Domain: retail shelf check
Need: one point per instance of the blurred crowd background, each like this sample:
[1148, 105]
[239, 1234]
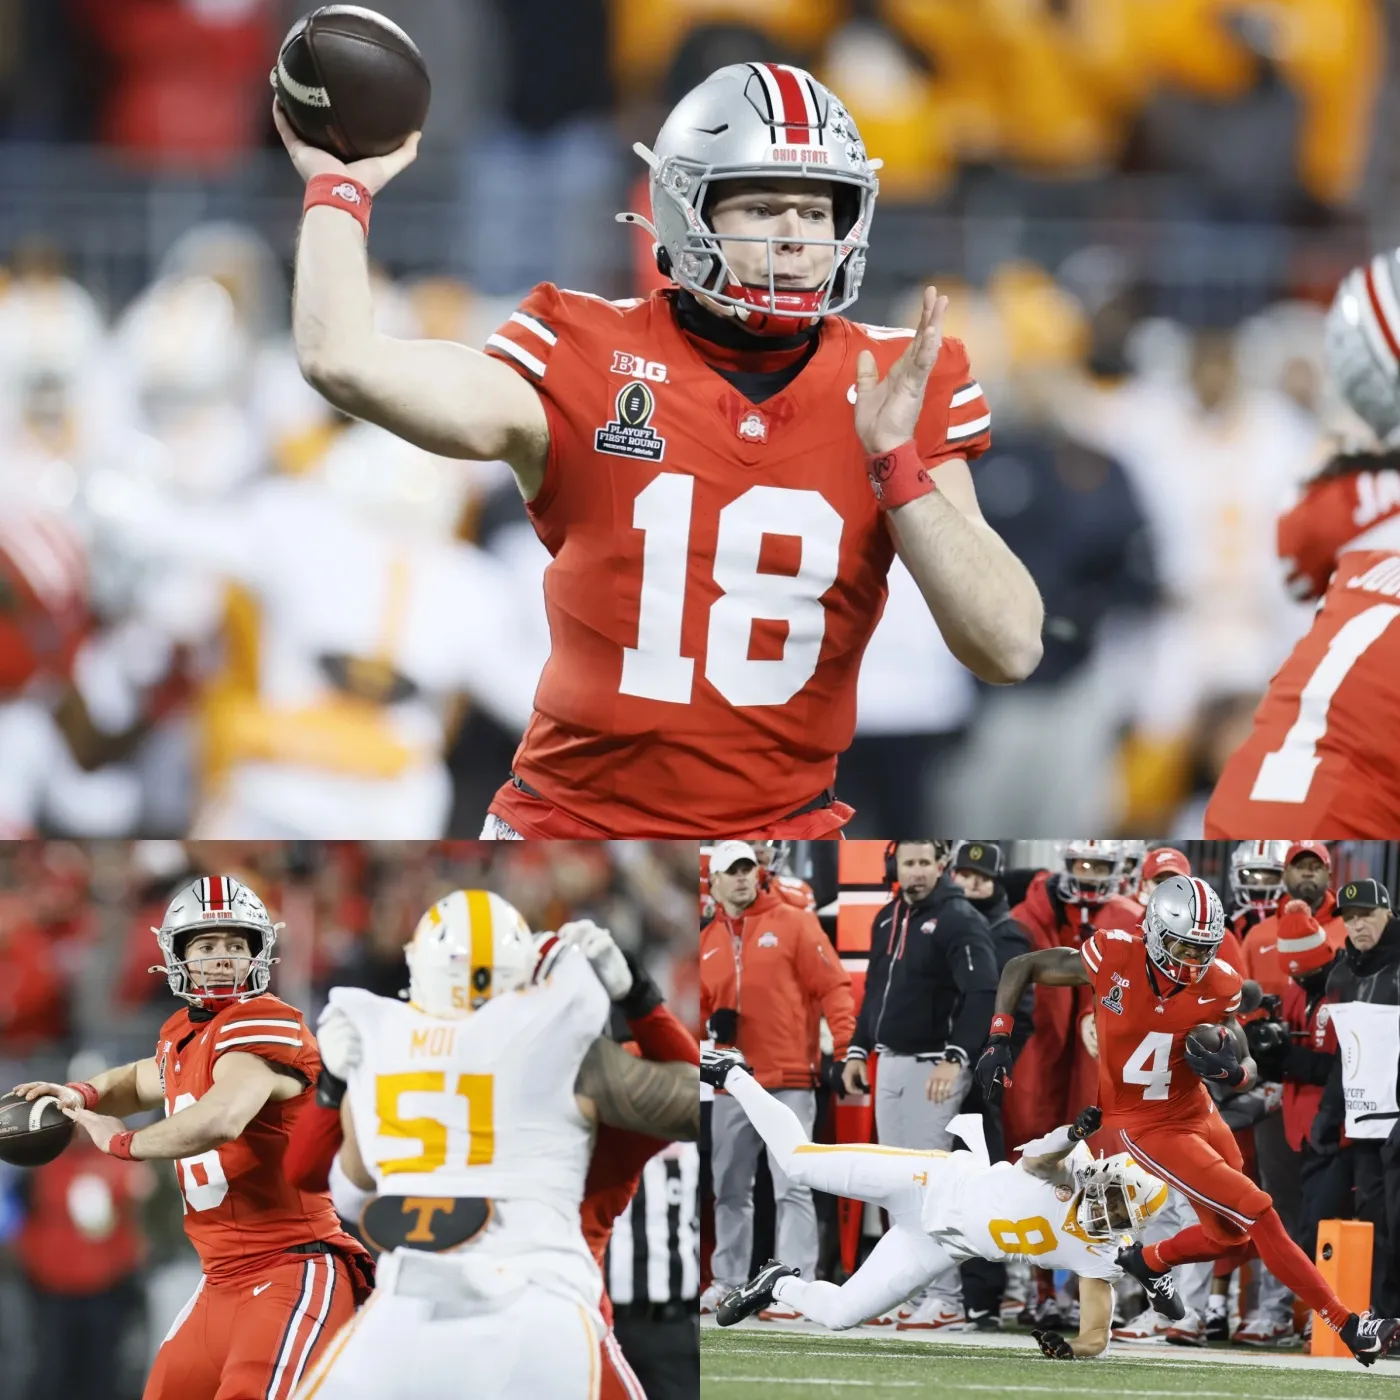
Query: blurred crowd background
[96, 1245]
[1139, 209]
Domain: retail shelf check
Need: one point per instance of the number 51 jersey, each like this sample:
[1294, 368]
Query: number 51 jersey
[484, 1107]
[719, 565]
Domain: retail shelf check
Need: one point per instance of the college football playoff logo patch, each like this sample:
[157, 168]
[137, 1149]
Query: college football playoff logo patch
[628, 435]
[1113, 1001]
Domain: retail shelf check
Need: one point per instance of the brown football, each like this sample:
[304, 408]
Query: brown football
[1211, 1037]
[351, 82]
[32, 1133]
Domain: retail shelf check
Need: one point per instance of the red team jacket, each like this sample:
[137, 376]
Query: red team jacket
[719, 567]
[1313, 765]
[241, 1211]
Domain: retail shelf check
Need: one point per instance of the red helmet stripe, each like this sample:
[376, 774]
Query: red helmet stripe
[1202, 921]
[1380, 315]
[794, 113]
[216, 892]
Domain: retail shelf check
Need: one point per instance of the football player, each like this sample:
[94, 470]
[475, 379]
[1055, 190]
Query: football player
[468, 1123]
[723, 471]
[232, 1070]
[1256, 882]
[1150, 992]
[618, 1154]
[1056, 1206]
[1315, 761]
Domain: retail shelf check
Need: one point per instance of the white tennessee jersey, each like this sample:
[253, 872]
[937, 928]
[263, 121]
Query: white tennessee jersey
[1000, 1211]
[484, 1106]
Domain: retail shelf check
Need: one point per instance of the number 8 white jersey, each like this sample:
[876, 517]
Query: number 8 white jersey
[996, 1211]
[483, 1106]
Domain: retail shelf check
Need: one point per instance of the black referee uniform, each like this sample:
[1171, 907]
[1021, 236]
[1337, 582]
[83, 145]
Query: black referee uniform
[652, 1272]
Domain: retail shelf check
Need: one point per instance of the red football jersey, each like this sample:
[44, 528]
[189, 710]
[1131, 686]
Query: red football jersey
[1318, 764]
[1143, 1074]
[239, 1206]
[1360, 510]
[719, 565]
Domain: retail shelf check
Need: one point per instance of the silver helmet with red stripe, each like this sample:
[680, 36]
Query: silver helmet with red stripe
[1363, 342]
[216, 904]
[1256, 874]
[754, 121]
[1184, 926]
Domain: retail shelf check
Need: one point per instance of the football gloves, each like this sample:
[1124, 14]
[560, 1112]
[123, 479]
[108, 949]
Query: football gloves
[993, 1071]
[1053, 1345]
[1218, 1066]
[603, 954]
[339, 1042]
[1087, 1124]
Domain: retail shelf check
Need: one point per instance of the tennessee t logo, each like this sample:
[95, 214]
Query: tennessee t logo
[426, 1207]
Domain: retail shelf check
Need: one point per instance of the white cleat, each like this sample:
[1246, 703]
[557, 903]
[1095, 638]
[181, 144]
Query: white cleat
[709, 1299]
[1189, 1331]
[1263, 1330]
[935, 1314]
[1148, 1326]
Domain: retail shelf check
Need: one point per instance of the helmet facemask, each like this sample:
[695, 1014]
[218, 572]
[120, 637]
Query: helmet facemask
[214, 905]
[1183, 925]
[1091, 873]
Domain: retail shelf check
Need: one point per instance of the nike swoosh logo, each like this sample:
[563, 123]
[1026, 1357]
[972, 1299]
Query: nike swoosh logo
[1204, 1000]
[710, 954]
[261, 1288]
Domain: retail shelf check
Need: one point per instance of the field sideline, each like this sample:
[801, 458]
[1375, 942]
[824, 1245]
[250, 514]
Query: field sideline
[771, 1360]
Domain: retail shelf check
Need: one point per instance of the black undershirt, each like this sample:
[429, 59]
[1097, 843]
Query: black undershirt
[755, 382]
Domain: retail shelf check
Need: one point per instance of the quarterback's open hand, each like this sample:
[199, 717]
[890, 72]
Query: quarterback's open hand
[1053, 1345]
[373, 173]
[98, 1126]
[887, 410]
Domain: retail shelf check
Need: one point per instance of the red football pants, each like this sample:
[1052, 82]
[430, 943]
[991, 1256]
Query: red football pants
[1202, 1160]
[255, 1339]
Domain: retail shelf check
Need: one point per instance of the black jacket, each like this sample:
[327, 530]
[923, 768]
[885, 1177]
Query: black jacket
[931, 982]
[1009, 940]
[1356, 976]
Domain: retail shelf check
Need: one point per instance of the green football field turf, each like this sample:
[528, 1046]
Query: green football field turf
[782, 1366]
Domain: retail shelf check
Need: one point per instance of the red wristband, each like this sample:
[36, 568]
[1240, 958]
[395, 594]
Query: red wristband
[1002, 1023]
[898, 477]
[340, 192]
[90, 1095]
[120, 1146]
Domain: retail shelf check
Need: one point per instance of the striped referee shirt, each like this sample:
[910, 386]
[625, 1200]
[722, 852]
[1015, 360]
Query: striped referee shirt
[654, 1253]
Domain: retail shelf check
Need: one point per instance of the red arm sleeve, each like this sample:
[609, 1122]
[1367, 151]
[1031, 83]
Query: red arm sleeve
[660, 1036]
[315, 1139]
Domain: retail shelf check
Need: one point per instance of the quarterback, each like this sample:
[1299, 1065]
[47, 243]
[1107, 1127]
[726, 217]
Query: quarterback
[233, 1071]
[723, 471]
[1318, 762]
[1057, 1206]
[468, 1121]
[1151, 990]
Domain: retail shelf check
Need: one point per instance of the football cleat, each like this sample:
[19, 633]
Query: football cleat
[1161, 1290]
[986, 1320]
[1148, 1326]
[757, 1293]
[1217, 1325]
[716, 1064]
[1369, 1337]
[1189, 1332]
[1264, 1330]
[934, 1314]
[709, 1299]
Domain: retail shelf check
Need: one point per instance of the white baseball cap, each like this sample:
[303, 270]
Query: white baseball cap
[727, 853]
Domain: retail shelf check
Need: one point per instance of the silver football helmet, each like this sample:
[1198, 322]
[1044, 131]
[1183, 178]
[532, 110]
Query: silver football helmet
[750, 121]
[216, 904]
[1363, 342]
[1131, 857]
[1184, 926]
[1256, 874]
[1088, 888]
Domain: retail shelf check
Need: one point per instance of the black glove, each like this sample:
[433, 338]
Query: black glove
[1269, 1042]
[831, 1075]
[645, 995]
[1053, 1345]
[993, 1071]
[329, 1090]
[1087, 1124]
[1219, 1066]
[724, 1025]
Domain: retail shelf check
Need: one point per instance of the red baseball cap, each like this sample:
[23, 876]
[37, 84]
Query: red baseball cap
[1165, 860]
[1316, 848]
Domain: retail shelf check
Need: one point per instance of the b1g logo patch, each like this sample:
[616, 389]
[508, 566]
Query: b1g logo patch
[628, 435]
[1113, 1001]
[1119, 980]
